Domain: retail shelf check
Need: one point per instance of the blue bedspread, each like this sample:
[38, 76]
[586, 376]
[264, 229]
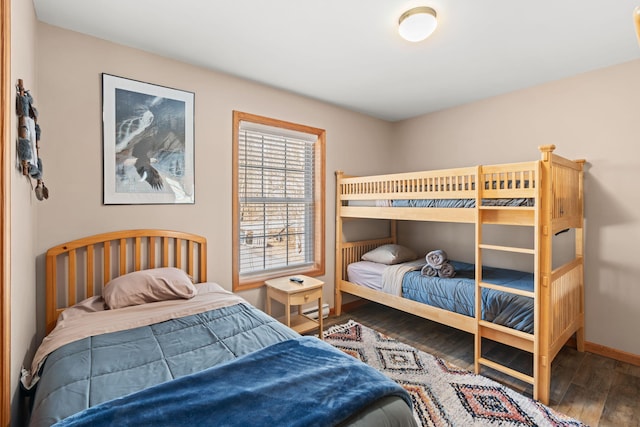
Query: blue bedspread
[457, 294]
[98, 369]
[301, 381]
[95, 370]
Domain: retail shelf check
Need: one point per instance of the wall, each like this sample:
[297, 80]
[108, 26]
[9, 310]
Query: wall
[23, 208]
[592, 116]
[70, 67]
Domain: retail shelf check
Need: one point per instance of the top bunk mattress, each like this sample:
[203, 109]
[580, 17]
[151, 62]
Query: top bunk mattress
[442, 203]
[521, 186]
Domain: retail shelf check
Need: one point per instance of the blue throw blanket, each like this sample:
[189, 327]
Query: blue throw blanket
[298, 382]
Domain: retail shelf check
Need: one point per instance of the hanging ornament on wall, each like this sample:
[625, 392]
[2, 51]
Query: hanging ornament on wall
[29, 133]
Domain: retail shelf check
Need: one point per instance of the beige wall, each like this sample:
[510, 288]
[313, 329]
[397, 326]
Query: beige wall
[70, 67]
[594, 116]
[23, 208]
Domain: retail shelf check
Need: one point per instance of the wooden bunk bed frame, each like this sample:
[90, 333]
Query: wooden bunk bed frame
[556, 186]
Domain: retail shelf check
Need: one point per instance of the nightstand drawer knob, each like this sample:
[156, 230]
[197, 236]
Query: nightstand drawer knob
[306, 297]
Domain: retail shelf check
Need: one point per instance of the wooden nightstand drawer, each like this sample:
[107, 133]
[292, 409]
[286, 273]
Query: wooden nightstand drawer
[305, 297]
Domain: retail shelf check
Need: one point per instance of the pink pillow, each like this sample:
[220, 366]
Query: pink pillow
[141, 287]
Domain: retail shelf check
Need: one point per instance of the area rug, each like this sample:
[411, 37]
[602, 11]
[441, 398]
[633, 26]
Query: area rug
[442, 394]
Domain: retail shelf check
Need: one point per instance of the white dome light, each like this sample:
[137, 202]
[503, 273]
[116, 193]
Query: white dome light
[417, 24]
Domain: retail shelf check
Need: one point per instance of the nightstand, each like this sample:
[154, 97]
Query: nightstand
[291, 293]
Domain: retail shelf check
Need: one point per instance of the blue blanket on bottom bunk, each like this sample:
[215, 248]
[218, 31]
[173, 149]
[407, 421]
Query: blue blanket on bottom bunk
[302, 381]
[457, 294]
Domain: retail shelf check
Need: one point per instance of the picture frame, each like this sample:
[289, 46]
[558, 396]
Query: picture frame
[148, 143]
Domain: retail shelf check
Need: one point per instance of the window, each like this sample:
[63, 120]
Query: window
[278, 200]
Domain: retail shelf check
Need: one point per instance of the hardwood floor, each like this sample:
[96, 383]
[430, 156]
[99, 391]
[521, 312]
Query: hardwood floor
[596, 390]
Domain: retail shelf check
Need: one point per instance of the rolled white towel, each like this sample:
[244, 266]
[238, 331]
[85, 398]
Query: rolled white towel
[436, 258]
[446, 270]
[427, 270]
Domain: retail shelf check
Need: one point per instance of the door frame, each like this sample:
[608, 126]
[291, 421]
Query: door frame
[5, 205]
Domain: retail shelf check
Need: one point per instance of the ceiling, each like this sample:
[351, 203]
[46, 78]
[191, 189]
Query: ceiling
[348, 52]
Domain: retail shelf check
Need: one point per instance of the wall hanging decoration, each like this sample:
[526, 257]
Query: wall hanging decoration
[29, 133]
[148, 147]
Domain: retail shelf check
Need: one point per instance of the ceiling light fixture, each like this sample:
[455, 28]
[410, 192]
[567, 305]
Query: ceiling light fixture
[417, 24]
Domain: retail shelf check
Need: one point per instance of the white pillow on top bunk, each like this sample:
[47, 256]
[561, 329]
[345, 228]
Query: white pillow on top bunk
[390, 254]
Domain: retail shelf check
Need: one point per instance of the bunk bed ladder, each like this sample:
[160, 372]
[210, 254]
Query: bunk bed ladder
[485, 329]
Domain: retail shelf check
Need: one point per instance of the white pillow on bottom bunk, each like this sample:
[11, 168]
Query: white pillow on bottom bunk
[390, 254]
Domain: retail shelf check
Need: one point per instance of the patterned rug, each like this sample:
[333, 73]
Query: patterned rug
[443, 394]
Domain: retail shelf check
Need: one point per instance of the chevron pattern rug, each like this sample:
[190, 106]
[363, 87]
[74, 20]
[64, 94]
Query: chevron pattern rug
[443, 394]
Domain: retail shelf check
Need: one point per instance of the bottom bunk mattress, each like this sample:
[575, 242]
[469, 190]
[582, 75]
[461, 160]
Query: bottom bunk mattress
[215, 367]
[456, 294]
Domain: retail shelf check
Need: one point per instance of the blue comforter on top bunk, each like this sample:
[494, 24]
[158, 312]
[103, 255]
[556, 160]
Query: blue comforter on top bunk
[457, 294]
[458, 203]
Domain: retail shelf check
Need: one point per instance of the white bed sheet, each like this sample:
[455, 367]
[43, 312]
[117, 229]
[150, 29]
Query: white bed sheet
[366, 273]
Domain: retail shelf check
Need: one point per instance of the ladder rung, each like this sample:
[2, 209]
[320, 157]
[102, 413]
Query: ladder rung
[507, 249]
[507, 289]
[510, 340]
[506, 370]
[504, 330]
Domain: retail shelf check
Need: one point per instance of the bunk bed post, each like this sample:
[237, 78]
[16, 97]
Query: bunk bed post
[338, 261]
[478, 273]
[580, 253]
[542, 363]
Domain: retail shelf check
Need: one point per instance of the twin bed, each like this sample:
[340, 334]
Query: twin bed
[536, 311]
[136, 335]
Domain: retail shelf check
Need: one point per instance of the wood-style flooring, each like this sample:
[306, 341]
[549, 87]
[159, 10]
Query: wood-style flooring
[593, 389]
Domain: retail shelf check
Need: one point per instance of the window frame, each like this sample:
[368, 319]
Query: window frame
[317, 268]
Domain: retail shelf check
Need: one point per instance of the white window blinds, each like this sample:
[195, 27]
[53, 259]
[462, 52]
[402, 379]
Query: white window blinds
[276, 198]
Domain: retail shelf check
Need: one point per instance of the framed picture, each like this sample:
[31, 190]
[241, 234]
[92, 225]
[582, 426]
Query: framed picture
[148, 155]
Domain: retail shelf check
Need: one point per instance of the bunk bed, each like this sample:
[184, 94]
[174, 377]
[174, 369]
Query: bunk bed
[136, 335]
[546, 195]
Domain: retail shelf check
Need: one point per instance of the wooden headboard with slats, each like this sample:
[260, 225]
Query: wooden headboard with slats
[80, 269]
